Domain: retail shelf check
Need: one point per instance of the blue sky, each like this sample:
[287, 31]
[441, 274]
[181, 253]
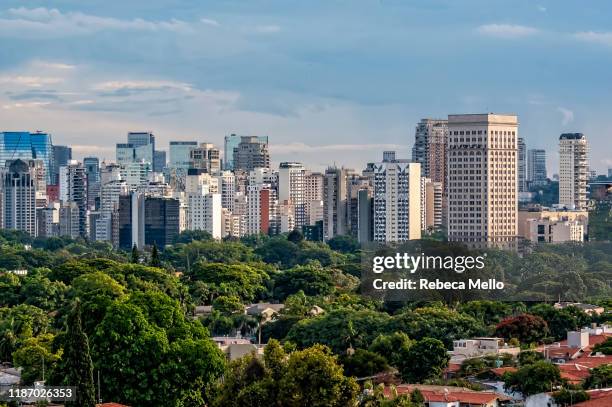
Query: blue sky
[328, 81]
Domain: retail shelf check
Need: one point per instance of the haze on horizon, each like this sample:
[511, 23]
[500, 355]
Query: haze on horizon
[327, 81]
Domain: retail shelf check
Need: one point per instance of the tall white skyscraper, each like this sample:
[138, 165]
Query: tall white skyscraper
[397, 201]
[482, 179]
[292, 189]
[335, 220]
[573, 170]
[73, 188]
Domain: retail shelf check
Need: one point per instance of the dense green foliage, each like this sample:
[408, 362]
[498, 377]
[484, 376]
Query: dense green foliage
[137, 318]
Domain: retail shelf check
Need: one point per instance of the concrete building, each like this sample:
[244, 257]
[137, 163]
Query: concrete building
[73, 188]
[365, 215]
[262, 210]
[554, 231]
[431, 205]
[19, 197]
[482, 179]
[536, 167]
[205, 213]
[136, 173]
[251, 153]
[477, 347]
[573, 170]
[206, 157]
[540, 224]
[159, 160]
[92, 172]
[231, 143]
[226, 181]
[48, 220]
[70, 219]
[335, 194]
[397, 201]
[522, 165]
[430, 148]
[292, 190]
[355, 184]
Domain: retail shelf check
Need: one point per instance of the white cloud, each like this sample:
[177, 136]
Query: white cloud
[568, 116]
[210, 21]
[135, 85]
[29, 81]
[507, 30]
[26, 105]
[52, 23]
[542, 9]
[604, 38]
[58, 66]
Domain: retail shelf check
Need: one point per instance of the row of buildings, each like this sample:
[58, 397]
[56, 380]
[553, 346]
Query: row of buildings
[465, 176]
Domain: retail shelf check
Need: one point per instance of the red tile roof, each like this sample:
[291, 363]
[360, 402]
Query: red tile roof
[499, 371]
[449, 393]
[603, 400]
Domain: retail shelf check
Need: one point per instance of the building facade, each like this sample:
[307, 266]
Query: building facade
[573, 170]
[482, 179]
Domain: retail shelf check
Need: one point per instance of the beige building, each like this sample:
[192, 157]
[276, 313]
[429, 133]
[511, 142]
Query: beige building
[573, 170]
[431, 204]
[540, 224]
[482, 179]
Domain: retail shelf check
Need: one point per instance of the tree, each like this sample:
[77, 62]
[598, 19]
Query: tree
[155, 262]
[35, 356]
[535, 378]
[600, 377]
[529, 357]
[526, 328]
[135, 255]
[344, 244]
[78, 366]
[295, 236]
[424, 360]
[339, 329]
[312, 280]
[313, 378]
[363, 363]
[565, 397]
[228, 305]
[604, 347]
[392, 347]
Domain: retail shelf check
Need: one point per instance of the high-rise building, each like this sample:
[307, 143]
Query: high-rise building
[365, 214]
[205, 213]
[136, 174]
[19, 203]
[430, 148]
[92, 171]
[573, 170]
[431, 205]
[231, 142]
[206, 157]
[292, 190]
[397, 201]
[251, 153]
[536, 167]
[180, 153]
[145, 220]
[70, 220]
[261, 210]
[522, 165]
[159, 160]
[482, 179]
[355, 184]
[61, 156]
[73, 188]
[335, 220]
[140, 146]
[227, 187]
[27, 146]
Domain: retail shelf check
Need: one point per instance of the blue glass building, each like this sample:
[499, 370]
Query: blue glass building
[26, 145]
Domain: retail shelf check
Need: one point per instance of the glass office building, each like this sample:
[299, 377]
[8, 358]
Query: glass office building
[26, 145]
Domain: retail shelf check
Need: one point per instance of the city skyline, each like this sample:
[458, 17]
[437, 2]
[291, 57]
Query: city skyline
[315, 88]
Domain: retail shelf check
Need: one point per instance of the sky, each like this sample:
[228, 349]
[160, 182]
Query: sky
[329, 81]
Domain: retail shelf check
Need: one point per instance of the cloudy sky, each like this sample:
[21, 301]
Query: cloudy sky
[328, 81]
